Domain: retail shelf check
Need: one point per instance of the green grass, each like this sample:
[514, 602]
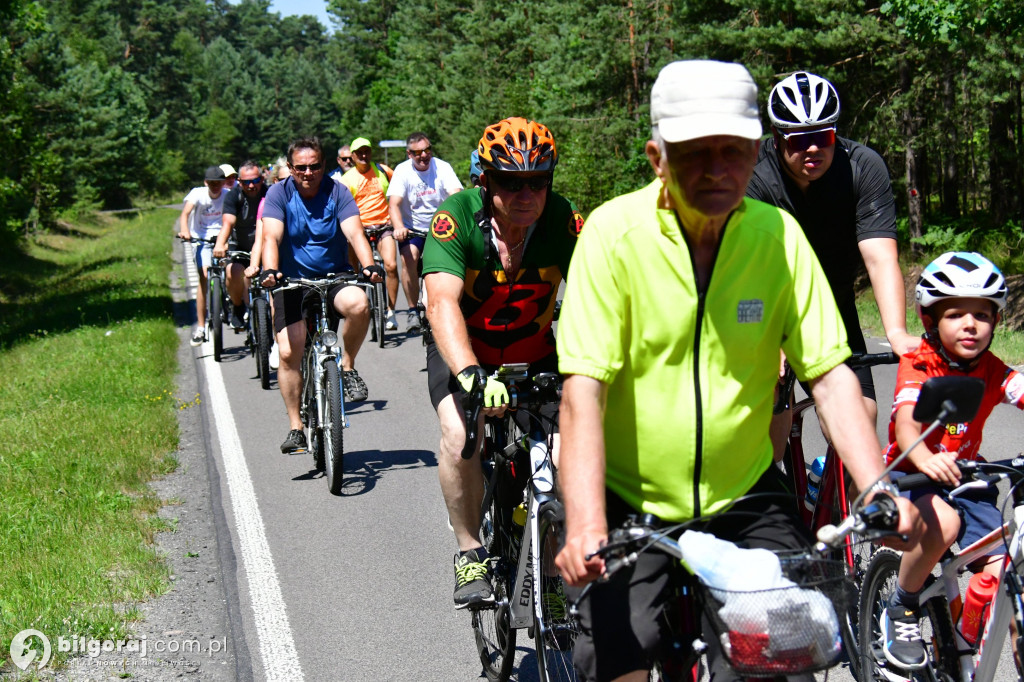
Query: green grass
[87, 418]
[1007, 345]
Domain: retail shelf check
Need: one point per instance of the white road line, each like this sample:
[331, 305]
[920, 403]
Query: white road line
[274, 633]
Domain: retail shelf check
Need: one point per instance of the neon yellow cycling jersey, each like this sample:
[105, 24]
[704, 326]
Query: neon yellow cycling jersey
[691, 373]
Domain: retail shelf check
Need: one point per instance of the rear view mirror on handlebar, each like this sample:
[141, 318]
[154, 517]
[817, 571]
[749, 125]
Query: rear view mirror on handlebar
[955, 399]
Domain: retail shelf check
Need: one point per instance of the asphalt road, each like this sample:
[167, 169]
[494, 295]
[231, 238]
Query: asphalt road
[358, 587]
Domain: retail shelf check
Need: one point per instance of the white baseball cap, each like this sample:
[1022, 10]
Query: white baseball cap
[700, 98]
[228, 170]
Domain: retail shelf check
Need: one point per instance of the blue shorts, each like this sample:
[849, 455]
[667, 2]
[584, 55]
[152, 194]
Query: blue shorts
[979, 511]
[417, 240]
[203, 255]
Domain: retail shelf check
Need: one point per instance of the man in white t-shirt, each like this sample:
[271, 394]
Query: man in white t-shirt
[201, 219]
[417, 188]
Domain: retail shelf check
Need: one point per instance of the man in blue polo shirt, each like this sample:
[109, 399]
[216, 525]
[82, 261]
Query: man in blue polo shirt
[309, 223]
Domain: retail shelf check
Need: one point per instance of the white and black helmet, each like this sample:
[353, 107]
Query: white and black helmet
[803, 99]
[959, 274]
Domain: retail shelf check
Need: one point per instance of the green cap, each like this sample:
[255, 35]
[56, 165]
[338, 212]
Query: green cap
[359, 143]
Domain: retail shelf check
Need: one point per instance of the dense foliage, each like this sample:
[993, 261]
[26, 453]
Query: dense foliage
[107, 100]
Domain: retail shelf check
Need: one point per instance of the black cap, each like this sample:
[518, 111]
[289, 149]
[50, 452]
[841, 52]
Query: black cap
[215, 173]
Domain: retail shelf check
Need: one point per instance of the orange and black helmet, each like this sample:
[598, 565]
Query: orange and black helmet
[516, 145]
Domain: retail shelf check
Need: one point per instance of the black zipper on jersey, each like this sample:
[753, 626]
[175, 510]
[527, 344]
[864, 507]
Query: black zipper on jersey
[698, 403]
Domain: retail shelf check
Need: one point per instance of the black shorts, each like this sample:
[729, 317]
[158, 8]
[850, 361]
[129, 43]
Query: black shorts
[293, 305]
[624, 622]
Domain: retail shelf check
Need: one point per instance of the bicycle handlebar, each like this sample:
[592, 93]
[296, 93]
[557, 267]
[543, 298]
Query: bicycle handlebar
[544, 389]
[974, 474]
[285, 283]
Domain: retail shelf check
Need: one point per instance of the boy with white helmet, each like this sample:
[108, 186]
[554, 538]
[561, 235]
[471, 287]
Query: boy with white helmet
[959, 299]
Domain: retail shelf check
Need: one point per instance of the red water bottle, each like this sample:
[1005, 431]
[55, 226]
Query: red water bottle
[980, 592]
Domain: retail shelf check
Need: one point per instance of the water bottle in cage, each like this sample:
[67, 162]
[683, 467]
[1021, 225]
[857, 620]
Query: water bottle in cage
[813, 481]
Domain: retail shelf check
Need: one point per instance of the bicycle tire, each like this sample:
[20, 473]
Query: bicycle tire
[261, 323]
[937, 629]
[556, 631]
[371, 297]
[333, 428]
[216, 303]
[492, 626]
[315, 440]
[379, 311]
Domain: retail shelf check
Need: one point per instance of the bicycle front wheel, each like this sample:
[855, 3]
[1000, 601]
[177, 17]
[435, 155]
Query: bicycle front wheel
[263, 333]
[556, 630]
[380, 305]
[333, 427]
[216, 304]
[492, 626]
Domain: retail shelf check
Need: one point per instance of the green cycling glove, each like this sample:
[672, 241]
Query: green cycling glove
[495, 393]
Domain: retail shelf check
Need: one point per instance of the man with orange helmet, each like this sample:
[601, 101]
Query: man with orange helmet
[492, 265]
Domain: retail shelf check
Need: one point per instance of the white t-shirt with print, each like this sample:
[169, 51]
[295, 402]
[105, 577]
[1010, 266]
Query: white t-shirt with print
[206, 217]
[422, 192]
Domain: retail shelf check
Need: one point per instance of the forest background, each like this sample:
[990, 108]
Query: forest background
[109, 103]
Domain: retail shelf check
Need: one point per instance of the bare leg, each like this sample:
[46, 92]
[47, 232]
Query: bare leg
[291, 343]
[462, 483]
[352, 304]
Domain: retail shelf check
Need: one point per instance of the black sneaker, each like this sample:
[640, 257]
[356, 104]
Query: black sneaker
[198, 337]
[295, 442]
[353, 386]
[237, 322]
[472, 581]
[901, 638]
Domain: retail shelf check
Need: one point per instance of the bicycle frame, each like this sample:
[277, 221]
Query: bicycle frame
[320, 352]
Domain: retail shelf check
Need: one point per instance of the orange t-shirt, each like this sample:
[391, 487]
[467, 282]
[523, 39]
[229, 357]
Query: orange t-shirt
[369, 190]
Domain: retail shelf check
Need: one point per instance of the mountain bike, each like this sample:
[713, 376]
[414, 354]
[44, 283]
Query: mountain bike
[322, 408]
[832, 502]
[218, 301]
[522, 527]
[782, 629]
[260, 336]
[378, 293]
[951, 656]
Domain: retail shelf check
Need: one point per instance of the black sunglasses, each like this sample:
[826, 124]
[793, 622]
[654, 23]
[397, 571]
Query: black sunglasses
[255, 181]
[512, 183]
[312, 167]
[344, 159]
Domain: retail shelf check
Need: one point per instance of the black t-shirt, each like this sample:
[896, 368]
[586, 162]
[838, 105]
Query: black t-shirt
[851, 202]
[243, 207]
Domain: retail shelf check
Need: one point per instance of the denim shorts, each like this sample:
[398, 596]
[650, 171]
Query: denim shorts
[978, 509]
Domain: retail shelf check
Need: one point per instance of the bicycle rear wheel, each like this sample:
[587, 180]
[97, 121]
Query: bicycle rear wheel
[492, 626]
[216, 304]
[556, 630]
[333, 427]
[261, 324]
[380, 298]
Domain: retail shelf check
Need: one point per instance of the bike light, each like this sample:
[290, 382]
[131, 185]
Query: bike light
[329, 339]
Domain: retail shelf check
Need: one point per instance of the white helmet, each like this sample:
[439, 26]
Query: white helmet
[803, 99]
[959, 274]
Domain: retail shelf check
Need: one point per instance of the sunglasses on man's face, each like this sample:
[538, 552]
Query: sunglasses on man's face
[344, 159]
[255, 181]
[312, 167]
[418, 152]
[802, 141]
[512, 183]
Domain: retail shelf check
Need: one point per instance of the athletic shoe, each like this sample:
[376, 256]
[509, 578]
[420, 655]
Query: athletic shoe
[353, 386]
[412, 321]
[295, 442]
[273, 356]
[472, 581]
[198, 337]
[390, 322]
[901, 638]
[236, 321]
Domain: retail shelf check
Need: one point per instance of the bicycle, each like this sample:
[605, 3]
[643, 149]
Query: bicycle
[260, 335]
[832, 502]
[522, 526]
[217, 300]
[764, 632]
[378, 294]
[322, 408]
[951, 656]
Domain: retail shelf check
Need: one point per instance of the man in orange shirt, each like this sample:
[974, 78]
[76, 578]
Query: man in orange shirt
[368, 183]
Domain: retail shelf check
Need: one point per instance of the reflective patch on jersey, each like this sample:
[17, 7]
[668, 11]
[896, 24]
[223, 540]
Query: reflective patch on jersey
[443, 227]
[907, 395]
[1013, 388]
[576, 224]
[750, 311]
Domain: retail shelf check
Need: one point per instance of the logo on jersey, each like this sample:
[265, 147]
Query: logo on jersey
[1014, 389]
[956, 429]
[749, 312]
[443, 227]
[576, 223]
